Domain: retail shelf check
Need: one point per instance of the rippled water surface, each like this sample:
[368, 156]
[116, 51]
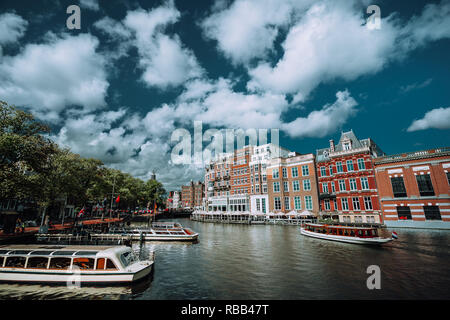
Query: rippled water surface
[276, 262]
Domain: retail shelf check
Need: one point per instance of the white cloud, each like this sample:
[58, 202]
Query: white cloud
[12, 28]
[165, 61]
[113, 28]
[90, 4]
[51, 76]
[248, 28]
[416, 85]
[327, 43]
[438, 118]
[431, 25]
[319, 123]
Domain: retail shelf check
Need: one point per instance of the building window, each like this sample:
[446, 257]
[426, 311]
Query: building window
[432, 213]
[264, 188]
[286, 203]
[258, 205]
[398, 187]
[356, 205]
[263, 203]
[294, 172]
[295, 185]
[264, 178]
[331, 170]
[257, 188]
[404, 213]
[364, 183]
[425, 185]
[284, 172]
[297, 203]
[306, 185]
[361, 164]
[349, 165]
[326, 204]
[346, 218]
[305, 171]
[335, 204]
[344, 203]
[333, 190]
[276, 187]
[368, 203]
[339, 168]
[308, 203]
[275, 174]
[352, 184]
[341, 185]
[325, 187]
[448, 177]
[323, 172]
[346, 145]
[285, 186]
[277, 203]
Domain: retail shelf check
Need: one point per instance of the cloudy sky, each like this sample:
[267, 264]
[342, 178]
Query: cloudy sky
[138, 70]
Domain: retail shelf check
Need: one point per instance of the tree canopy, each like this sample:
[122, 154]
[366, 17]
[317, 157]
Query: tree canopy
[32, 166]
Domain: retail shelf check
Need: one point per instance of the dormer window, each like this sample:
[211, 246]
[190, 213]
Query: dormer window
[347, 145]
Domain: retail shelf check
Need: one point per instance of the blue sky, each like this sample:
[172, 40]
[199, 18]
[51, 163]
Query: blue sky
[138, 70]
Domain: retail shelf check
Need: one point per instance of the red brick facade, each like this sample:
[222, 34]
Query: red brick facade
[346, 180]
[414, 188]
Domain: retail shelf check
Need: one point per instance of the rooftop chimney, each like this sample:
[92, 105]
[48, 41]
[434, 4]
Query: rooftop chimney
[331, 145]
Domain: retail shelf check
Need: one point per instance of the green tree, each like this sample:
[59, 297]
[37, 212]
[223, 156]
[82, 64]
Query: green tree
[23, 152]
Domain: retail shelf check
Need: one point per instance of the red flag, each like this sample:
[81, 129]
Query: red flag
[118, 198]
[81, 212]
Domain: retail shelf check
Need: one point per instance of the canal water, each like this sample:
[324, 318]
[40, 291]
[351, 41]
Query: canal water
[276, 262]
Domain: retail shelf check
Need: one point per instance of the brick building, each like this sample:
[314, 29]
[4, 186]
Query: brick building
[235, 180]
[347, 185]
[414, 188]
[292, 184]
[192, 195]
[259, 160]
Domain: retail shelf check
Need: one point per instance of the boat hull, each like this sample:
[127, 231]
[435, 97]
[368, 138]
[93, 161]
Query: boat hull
[16, 275]
[347, 239]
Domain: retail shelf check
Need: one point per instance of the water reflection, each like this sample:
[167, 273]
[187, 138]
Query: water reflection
[277, 262]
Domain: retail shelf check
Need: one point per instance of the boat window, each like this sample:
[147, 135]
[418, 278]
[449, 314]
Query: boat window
[84, 263]
[63, 253]
[126, 258]
[100, 264]
[15, 262]
[4, 251]
[40, 253]
[37, 263]
[86, 253]
[110, 265]
[2, 259]
[20, 252]
[60, 263]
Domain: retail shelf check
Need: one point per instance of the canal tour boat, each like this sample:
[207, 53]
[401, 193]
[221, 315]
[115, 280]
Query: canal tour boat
[358, 235]
[161, 231]
[60, 264]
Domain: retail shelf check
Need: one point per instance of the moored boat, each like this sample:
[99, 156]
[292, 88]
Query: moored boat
[358, 235]
[161, 231]
[71, 264]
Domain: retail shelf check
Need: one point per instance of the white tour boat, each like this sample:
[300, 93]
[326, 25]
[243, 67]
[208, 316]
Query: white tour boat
[358, 235]
[71, 264]
[161, 231]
